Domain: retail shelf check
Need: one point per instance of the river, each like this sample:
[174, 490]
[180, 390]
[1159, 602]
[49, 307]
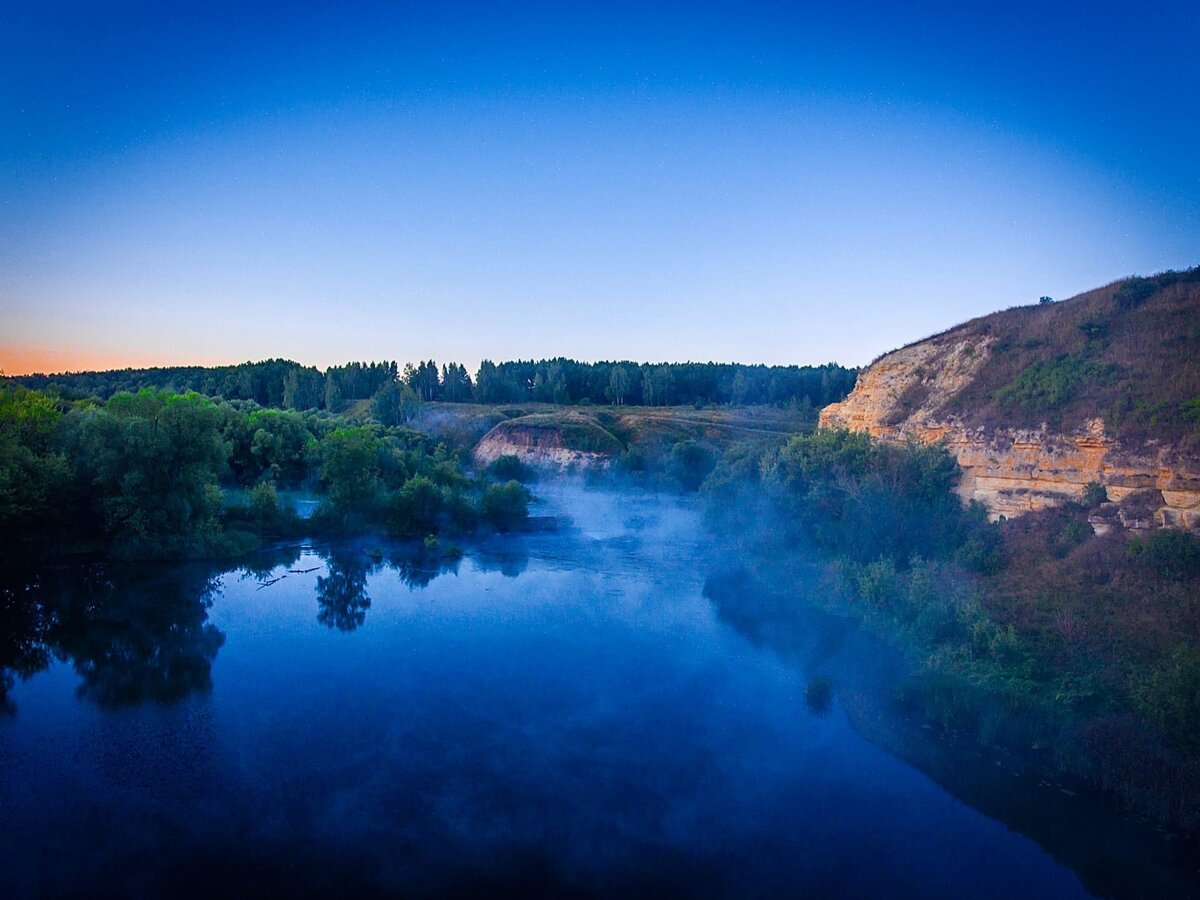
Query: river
[560, 714]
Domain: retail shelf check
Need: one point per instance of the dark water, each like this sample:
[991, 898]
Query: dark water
[557, 715]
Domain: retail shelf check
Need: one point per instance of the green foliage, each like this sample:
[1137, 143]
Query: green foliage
[34, 479]
[1047, 385]
[1134, 292]
[393, 404]
[350, 469]
[505, 506]
[1168, 694]
[416, 508]
[1168, 552]
[511, 468]
[139, 477]
[691, 463]
[268, 445]
[1094, 494]
[632, 460]
[422, 379]
[1189, 411]
[862, 500]
[262, 514]
[279, 383]
[619, 384]
[151, 461]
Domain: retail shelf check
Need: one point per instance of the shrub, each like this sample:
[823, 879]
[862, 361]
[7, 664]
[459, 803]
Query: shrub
[511, 468]
[1094, 494]
[1047, 385]
[1170, 553]
[691, 463]
[1169, 694]
[1134, 292]
[415, 509]
[505, 506]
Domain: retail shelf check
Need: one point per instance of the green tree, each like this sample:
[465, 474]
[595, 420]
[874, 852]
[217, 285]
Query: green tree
[333, 393]
[34, 478]
[505, 506]
[691, 463]
[740, 391]
[350, 469]
[416, 508]
[152, 460]
[456, 384]
[619, 382]
[394, 404]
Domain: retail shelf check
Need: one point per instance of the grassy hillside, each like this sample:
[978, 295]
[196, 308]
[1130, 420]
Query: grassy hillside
[652, 430]
[1128, 352]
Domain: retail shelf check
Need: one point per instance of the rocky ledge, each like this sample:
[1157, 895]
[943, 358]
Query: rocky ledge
[1012, 471]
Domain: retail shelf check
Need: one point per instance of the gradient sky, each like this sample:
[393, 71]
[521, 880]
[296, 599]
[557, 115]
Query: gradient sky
[770, 183]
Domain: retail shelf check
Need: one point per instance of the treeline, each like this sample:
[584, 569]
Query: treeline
[158, 474]
[282, 384]
[1033, 632]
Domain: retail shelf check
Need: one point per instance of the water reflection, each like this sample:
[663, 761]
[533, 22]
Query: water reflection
[509, 560]
[1113, 857]
[418, 567]
[131, 636]
[141, 634]
[590, 727]
[23, 650]
[342, 600]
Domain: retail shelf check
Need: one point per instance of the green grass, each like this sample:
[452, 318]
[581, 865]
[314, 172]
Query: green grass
[1128, 353]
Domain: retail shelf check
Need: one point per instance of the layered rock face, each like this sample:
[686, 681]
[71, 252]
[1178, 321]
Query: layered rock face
[538, 446]
[1012, 471]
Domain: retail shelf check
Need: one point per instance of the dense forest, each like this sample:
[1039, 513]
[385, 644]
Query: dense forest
[283, 384]
[1078, 650]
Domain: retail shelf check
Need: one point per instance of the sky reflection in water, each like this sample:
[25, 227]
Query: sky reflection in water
[559, 713]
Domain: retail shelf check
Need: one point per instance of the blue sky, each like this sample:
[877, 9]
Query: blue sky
[754, 182]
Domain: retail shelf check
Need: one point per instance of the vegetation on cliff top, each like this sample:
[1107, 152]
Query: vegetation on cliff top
[1128, 352]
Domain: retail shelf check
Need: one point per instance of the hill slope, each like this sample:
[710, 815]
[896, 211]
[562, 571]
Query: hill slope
[1037, 402]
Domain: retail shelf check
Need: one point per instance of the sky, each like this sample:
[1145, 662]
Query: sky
[780, 183]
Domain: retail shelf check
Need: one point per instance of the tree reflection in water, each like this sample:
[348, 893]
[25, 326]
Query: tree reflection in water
[509, 560]
[141, 634]
[342, 598]
[23, 650]
[132, 638]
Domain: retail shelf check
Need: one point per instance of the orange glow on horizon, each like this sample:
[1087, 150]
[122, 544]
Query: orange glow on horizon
[23, 359]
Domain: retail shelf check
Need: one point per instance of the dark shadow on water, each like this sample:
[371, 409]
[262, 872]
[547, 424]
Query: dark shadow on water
[509, 559]
[23, 648]
[132, 634]
[818, 696]
[1112, 855]
[418, 567]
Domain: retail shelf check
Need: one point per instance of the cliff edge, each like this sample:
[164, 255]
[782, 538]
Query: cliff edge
[1038, 402]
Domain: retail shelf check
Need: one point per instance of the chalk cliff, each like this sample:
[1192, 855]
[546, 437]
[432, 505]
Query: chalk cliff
[557, 442]
[916, 393]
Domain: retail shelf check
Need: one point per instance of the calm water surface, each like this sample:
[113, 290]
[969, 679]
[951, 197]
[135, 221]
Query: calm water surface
[558, 714]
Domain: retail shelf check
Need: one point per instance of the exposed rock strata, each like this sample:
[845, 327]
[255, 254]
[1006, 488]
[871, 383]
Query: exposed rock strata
[1011, 471]
[544, 448]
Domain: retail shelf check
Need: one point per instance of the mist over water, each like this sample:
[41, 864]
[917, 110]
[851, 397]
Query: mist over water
[562, 713]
